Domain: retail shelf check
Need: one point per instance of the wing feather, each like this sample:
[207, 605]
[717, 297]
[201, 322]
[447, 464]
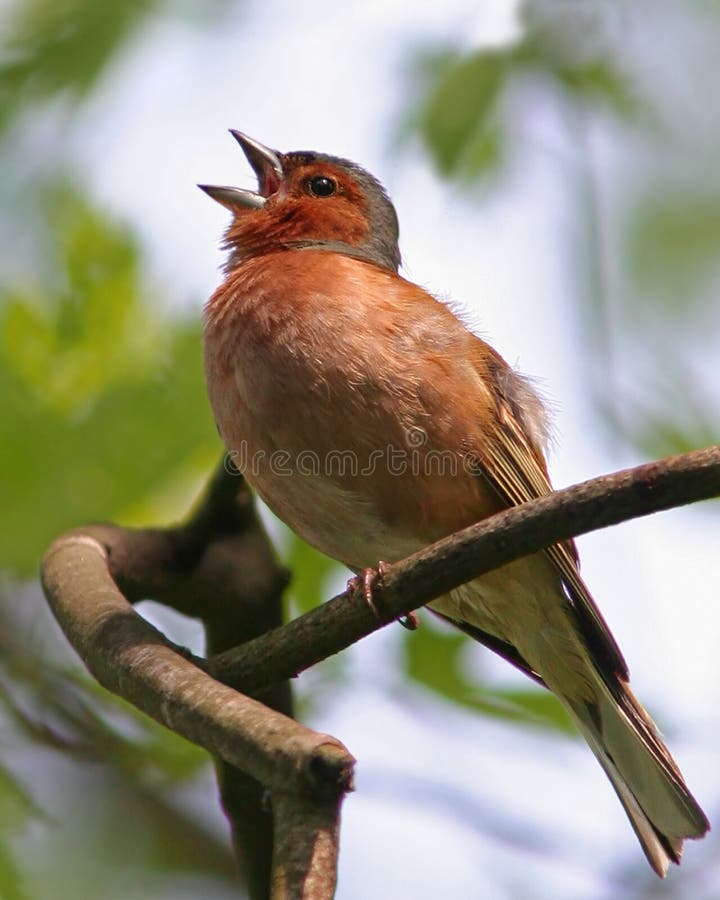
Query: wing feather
[512, 461]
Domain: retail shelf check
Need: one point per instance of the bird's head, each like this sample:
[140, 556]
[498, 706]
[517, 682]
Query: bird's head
[308, 200]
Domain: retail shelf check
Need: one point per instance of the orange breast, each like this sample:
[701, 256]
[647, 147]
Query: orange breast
[346, 393]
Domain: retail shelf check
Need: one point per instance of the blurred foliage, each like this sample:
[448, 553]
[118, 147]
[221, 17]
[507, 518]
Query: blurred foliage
[311, 573]
[435, 659]
[58, 49]
[92, 375]
[66, 738]
[17, 809]
[644, 412]
[654, 285]
[65, 710]
[457, 116]
[672, 246]
[459, 112]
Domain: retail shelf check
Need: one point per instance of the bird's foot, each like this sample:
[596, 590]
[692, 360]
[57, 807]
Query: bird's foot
[366, 582]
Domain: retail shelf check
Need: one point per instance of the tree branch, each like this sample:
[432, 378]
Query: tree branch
[218, 565]
[493, 542]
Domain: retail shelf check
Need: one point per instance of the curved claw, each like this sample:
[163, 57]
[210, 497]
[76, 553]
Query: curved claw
[366, 582]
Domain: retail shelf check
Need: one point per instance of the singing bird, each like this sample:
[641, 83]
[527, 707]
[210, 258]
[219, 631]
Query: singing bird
[373, 422]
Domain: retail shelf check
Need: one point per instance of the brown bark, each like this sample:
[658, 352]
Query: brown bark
[219, 566]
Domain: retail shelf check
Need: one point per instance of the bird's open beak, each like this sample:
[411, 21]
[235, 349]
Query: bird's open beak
[268, 168]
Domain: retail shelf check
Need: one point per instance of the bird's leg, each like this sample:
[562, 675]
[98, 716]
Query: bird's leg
[366, 582]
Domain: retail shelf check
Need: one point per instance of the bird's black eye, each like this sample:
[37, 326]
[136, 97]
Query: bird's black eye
[321, 186]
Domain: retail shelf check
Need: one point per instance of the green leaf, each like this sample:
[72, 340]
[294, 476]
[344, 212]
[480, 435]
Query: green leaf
[599, 80]
[70, 337]
[103, 400]
[571, 42]
[60, 48]
[457, 117]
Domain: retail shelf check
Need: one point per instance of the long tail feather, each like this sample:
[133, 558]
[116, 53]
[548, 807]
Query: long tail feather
[623, 737]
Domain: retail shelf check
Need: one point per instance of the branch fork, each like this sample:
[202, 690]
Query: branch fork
[236, 703]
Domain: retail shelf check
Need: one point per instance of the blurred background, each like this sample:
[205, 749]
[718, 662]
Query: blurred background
[554, 166]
